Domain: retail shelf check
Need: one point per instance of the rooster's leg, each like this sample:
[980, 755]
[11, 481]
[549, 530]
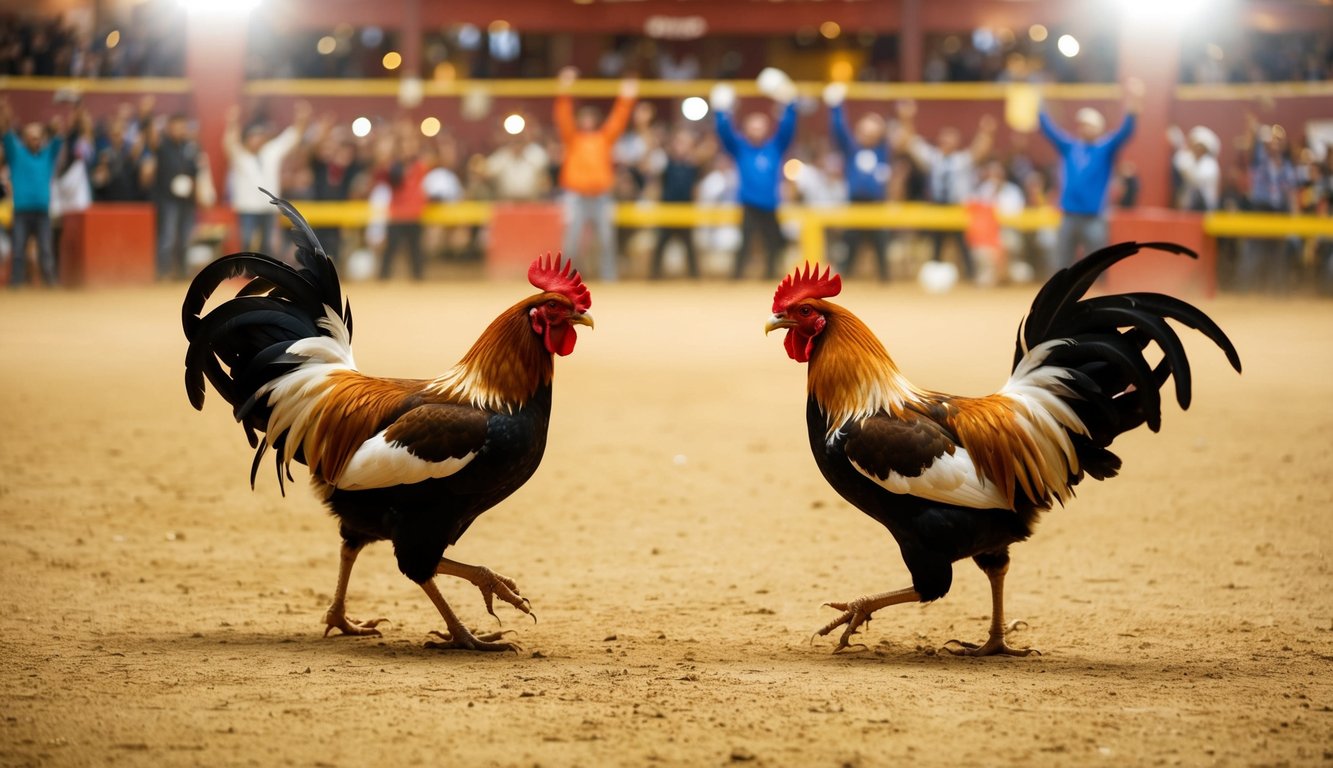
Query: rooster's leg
[491, 584]
[858, 611]
[995, 645]
[336, 616]
[460, 637]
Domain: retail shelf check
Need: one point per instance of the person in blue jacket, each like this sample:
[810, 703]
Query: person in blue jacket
[759, 165]
[32, 165]
[1087, 159]
[866, 167]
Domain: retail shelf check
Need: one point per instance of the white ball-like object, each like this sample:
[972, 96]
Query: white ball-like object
[835, 94]
[937, 276]
[182, 185]
[775, 84]
[360, 265]
[722, 98]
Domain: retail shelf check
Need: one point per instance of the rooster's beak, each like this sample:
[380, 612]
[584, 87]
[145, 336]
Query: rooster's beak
[778, 321]
[581, 318]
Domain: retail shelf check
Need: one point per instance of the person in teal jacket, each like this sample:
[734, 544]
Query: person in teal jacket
[32, 165]
[1087, 159]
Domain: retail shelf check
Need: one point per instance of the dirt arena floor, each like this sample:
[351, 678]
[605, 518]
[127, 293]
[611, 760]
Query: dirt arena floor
[677, 544]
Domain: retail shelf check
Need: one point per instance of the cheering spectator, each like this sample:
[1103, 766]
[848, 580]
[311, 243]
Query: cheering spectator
[1087, 159]
[405, 176]
[32, 166]
[950, 172]
[866, 168]
[517, 169]
[174, 165]
[758, 151]
[1265, 262]
[256, 165]
[115, 168]
[334, 172]
[680, 175]
[1195, 159]
[587, 174]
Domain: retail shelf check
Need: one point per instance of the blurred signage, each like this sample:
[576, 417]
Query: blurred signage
[675, 27]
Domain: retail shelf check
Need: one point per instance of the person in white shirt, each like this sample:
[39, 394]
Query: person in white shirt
[950, 171]
[255, 161]
[518, 170]
[1195, 160]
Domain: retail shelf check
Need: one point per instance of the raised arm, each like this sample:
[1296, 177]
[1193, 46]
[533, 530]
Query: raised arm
[838, 123]
[564, 104]
[786, 131]
[722, 98]
[1061, 140]
[984, 140]
[622, 109]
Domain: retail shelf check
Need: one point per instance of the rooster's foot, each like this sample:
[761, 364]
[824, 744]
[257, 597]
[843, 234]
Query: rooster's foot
[337, 619]
[491, 584]
[995, 646]
[854, 614]
[467, 641]
[858, 612]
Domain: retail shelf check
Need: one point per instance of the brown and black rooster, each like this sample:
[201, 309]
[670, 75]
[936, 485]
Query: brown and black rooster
[410, 461]
[958, 477]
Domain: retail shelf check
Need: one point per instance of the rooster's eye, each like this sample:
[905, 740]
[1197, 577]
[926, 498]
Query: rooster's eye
[550, 303]
[805, 311]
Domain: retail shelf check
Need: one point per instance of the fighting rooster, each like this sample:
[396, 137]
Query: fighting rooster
[411, 461]
[956, 477]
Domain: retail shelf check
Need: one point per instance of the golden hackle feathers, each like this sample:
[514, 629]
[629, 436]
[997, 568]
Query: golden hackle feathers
[503, 368]
[852, 375]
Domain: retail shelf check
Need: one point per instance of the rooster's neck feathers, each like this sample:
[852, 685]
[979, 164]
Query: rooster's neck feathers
[851, 375]
[503, 369]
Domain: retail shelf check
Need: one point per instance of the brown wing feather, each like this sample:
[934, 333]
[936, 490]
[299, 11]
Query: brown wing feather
[436, 432]
[1000, 448]
[354, 408]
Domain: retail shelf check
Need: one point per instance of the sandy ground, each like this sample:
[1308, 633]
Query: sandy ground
[677, 544]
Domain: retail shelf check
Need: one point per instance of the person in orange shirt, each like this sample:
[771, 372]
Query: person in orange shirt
[587, 174]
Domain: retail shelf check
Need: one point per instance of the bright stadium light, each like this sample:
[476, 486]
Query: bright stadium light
[1068, 45]
[361, 127]
[694, 108]
[1159, 12]
[514, 124]
[791, 170]
[220, 7]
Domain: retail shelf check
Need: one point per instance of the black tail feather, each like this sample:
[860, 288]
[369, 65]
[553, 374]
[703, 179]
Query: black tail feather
[1115, 388]
[240, 345]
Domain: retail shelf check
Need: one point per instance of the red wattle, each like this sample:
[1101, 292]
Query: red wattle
[798, 346]
[560, 339]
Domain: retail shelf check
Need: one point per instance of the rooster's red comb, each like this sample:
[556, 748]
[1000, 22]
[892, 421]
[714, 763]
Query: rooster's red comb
[549, 274]
[806, 285]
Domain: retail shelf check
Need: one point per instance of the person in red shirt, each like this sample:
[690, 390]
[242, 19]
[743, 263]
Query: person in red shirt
[587, 174]
[405, 175]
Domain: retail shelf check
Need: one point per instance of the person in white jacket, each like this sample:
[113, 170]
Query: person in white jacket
[255, 161]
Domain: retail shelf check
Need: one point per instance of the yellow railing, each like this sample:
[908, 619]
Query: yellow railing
[812, 220]
[1238, 224]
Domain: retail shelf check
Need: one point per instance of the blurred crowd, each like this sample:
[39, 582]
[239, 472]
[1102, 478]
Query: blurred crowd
[148, 44]
[138, 154]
